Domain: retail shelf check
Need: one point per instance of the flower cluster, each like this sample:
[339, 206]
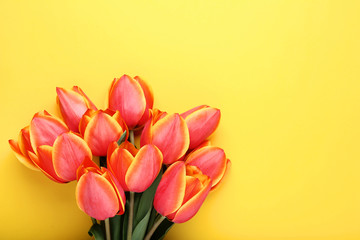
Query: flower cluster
[175, 164]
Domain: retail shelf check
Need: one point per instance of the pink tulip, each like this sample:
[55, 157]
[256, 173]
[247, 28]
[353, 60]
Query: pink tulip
[98, 192]
[73, 104]
[135, 169]
[133, 98]
[202, 121]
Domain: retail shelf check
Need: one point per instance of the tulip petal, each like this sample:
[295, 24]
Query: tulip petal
[86, 166]
[100, 132]
[127, 96]
[202, 123]
[69, 152]
[72, 107]
[44, 129]
[44, 162]
[185, 114]
[119, 190]
[170, 134]
[210, 160]
[146, 134]
[89, 103]
[228, 165]
[192, 206]
[171, 190]
[24, 141]
[96, 196]
[19, 155]
[130, 147]
[118, 163]
[144, 169]
[149, 97]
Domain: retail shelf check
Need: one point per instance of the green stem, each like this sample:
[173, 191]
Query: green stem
[93, 220]
[107, 228]
[132, 139]
[131, 213]
[154, 227]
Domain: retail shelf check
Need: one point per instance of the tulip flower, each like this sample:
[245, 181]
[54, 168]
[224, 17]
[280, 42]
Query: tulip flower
[100, 128]
[202, 121]
[135, 169]
[98, 192]
[133, 98]
[22, 147]
[61, 161]
[211, 161]
[181, 192]
[169, 133]
[73, 104]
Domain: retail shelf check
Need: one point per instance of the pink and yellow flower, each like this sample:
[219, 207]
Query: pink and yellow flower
[133, 98]
[98, 192]
[169, 133]
[100, 128]
[73, 104]
[49, 146]
[181, 192]
[202, 121]
[135, 169]
[211, 161]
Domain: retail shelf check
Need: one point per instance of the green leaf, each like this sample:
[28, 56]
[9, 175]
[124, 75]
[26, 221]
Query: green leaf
[146, 200]
[122, 138]
[153, 215]
[115, 227]
[125, 218]
[140, 229]
[161, 231]
[97, 231]
[137, 197]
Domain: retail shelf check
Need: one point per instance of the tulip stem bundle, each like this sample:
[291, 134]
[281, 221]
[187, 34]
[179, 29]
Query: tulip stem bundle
[133, 193]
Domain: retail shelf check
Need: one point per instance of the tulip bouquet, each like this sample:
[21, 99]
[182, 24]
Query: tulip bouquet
[129, 191]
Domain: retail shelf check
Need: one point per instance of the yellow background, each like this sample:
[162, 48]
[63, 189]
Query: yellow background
[285, 74]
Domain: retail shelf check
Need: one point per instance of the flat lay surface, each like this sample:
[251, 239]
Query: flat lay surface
[285, 74]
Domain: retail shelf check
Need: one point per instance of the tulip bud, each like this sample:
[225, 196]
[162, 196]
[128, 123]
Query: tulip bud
[211, 161]
[135, 169]
[98, 192]
[73, 104]
[169, 133]
[100, 128]
[133, 98]
[202, 121]
[181, 192]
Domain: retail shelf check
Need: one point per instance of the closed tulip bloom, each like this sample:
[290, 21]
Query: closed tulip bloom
[133, 98]
[43, 130]
[181, 192]
[169, 133]
[202, 121]
[211, 161]
[135, 169]
[21, 147]
[73, 104]
[61, 161]
[98, 192]
[100, 128]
